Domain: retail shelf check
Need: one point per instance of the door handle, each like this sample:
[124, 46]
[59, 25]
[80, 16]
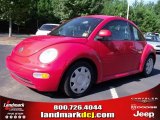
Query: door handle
[140, 51]
[133, 48]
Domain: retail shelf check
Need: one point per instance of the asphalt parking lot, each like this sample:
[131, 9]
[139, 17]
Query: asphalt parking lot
[106, 90]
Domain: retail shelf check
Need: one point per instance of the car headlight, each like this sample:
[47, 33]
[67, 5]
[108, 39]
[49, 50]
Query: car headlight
[48, 55]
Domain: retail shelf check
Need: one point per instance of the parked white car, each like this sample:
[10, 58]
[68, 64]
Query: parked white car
[46, 28]
[154, 41]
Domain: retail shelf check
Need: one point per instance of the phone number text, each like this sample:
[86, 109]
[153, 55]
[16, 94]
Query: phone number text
[77, 107]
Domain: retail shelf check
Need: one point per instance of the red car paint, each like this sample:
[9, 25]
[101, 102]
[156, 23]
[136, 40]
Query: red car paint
[113, 59]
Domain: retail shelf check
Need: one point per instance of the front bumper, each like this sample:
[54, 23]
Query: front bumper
[24, 75]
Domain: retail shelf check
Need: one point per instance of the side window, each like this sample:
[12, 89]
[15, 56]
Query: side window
[119, 29]
[136, 34]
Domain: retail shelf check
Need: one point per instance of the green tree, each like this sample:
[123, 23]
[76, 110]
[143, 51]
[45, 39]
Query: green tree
[22, 12]
[157, 7]
[157, 11]
[144, 16]
[46, 11]
[115, 8]
[14, 11]
[67, 9]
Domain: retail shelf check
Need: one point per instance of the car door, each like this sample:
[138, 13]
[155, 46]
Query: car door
[116, 51]
[139, 44]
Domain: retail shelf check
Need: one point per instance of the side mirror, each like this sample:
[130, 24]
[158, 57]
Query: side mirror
[102, 34]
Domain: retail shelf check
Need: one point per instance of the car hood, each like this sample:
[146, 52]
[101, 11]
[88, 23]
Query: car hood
[34, 44]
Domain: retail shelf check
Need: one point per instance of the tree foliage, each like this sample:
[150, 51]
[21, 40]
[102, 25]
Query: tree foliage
[147, 16]
[157, 12]
[115, 8]
[15, 9]
[67, 9]
[144, 16]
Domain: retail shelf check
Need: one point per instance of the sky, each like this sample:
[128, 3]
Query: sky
[146, 1]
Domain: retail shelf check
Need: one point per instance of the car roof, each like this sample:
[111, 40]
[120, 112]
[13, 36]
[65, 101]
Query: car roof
[100, 16]
[50, 24]
[105, 17]
[108, 17]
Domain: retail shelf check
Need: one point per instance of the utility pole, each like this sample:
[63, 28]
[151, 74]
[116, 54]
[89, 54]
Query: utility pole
[127, 10]
[10, 19]
[10, 26]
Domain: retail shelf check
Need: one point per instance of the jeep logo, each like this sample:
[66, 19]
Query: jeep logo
[144, 114]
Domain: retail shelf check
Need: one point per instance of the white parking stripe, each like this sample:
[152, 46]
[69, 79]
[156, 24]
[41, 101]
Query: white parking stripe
[113, 93]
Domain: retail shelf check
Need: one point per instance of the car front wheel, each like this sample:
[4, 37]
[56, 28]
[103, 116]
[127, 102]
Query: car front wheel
[78, 79]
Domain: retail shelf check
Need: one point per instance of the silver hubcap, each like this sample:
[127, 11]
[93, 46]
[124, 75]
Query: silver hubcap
[80, 80]
[149, 66]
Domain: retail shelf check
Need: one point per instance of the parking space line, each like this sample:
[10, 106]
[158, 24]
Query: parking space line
[113, 92]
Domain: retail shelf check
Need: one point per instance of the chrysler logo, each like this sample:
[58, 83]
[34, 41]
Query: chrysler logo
[21, 49]
[144, 100]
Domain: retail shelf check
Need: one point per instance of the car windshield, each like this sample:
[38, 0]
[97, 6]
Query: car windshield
[78, 27]
[47, 27]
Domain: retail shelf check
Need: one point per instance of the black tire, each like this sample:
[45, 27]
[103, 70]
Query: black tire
[145, 72]
[71, 72]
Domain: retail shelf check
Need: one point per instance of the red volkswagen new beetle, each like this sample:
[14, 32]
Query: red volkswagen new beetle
[81, 52]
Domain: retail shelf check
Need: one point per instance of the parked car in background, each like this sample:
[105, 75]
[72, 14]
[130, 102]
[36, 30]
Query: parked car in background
[154, 41]
[46, 28]
[80, 53]
[157, 34]
[148, 33]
